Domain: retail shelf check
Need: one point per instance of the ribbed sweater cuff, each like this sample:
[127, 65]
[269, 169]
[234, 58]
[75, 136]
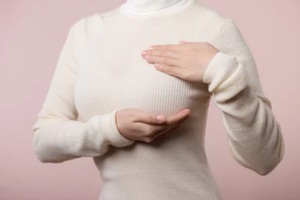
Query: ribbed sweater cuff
[106, 125]
[225, 72]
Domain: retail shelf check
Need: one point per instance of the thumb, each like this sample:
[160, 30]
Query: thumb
[182, 42]
[150, 118]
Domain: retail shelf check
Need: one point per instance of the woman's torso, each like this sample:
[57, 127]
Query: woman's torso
[110, 63]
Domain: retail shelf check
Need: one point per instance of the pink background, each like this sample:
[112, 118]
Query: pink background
[31, 36]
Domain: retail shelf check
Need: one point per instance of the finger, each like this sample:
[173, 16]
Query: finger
[166, 133]
[171, 47]
[162, 60]
[174, 71]
[163, 53]
[178, 117]
[182, 42]
[150, 130]
[150, 118]
[190, 42]
[163, 136]
[196, 45]
[155, 131]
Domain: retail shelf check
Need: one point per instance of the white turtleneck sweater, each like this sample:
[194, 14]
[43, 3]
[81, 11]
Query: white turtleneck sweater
[100, 70]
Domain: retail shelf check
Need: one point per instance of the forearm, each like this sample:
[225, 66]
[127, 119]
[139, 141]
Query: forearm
[57, 140]
[254, 135]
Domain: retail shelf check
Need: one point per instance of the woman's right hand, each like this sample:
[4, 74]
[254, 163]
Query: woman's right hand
[135, 124]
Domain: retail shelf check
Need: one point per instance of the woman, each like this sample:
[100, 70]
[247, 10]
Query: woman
[141, 112]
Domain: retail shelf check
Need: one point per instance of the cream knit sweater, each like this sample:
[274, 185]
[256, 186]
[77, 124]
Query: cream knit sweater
[100, 70]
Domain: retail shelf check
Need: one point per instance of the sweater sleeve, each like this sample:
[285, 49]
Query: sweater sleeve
[58, 135]
[254, 135]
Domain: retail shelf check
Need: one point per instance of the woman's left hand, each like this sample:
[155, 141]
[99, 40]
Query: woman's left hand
[186, 60]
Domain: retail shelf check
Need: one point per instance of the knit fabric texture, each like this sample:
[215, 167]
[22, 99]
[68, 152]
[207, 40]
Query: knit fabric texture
[100, 70]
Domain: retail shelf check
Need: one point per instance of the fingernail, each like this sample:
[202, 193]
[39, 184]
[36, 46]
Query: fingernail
[186, 110]
[160, 118]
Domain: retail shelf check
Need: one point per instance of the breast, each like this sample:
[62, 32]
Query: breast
[123, 79]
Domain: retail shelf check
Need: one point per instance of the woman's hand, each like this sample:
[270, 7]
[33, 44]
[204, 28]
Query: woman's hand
[135, 124]
[186, 60]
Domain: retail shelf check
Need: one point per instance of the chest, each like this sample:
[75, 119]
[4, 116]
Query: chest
[113, 75]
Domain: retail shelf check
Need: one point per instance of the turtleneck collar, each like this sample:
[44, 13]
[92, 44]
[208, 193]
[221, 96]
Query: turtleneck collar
[144, 8]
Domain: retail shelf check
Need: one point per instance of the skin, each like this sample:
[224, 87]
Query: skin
[186, 60]
[135, 124]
